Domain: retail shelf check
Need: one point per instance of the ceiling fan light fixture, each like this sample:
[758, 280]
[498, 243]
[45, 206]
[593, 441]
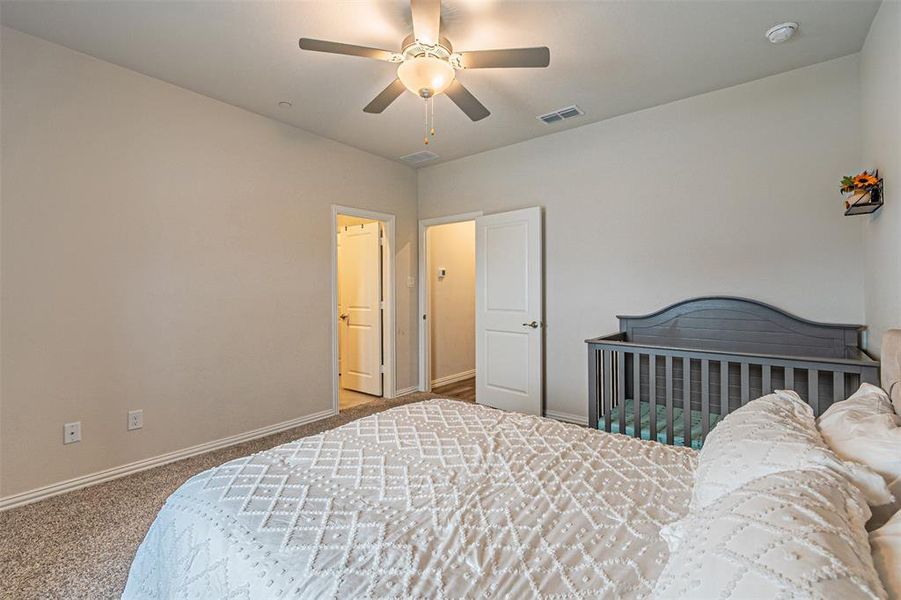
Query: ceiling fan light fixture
[426, 76]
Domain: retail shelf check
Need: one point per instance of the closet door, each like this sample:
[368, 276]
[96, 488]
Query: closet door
[360, 274]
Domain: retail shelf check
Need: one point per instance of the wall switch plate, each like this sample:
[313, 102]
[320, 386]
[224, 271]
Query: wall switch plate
[135, 419]
[72, 432]
[442, 273]
[411, 281]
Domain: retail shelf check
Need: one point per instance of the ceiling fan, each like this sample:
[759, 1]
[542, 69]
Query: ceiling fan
[428, 64]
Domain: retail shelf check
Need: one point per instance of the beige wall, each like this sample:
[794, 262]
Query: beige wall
[452, 299]
[732, 192]
[881, 149]
[165, 251]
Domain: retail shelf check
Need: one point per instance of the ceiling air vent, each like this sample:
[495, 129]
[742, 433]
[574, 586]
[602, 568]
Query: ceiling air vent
[417, 158]
[567, 112]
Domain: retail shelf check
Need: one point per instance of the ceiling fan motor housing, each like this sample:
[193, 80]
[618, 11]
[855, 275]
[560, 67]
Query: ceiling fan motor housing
[411, 48]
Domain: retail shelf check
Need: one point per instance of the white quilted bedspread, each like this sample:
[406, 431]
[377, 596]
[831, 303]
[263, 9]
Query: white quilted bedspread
[428, 500]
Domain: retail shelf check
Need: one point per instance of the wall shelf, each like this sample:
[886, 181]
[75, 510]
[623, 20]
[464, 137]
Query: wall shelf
[870, 203]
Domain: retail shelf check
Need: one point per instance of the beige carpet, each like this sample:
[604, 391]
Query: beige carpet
[80, 544]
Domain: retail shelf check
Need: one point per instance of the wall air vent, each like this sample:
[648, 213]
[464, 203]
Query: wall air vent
[417, 158]
[567, 112]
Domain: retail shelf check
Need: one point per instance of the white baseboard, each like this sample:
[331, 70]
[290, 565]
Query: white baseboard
[406, 390]
[566, 417]
[69, 485]
[454, 378]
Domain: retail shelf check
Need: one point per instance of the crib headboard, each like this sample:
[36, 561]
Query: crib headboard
[891, 366]
[724, 323]
[706, 357]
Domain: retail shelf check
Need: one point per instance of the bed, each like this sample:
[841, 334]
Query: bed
[428, 500]
[443, 498]
[673, 374]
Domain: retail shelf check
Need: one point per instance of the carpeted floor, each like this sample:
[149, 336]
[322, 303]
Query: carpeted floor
[80, 544]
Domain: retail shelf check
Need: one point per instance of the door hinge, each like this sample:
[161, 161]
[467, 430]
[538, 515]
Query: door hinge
[381, 368]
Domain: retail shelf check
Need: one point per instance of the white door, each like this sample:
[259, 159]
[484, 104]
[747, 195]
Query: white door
[359, 291]
[342, 339]
[509, 311]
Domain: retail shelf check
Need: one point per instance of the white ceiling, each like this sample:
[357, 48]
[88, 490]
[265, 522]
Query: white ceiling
[610, 58]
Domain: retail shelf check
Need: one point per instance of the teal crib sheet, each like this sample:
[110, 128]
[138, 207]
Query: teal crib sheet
[678, 427]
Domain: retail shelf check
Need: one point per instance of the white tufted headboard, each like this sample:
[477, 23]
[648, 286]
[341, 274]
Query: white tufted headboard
[891, 366]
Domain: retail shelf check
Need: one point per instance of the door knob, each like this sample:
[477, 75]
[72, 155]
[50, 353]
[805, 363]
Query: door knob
[343, 316]
[533, 324]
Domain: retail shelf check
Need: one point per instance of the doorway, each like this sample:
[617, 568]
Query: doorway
[447, 293]
[509, 309]
[362, 288]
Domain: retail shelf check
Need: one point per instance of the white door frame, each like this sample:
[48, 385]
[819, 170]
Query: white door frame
[425, 337]
[388, 289]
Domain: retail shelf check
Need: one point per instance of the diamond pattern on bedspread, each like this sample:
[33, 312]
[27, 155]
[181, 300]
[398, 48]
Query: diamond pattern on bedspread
[434, 499]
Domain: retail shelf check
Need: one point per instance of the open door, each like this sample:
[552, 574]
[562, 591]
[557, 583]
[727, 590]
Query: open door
[509, 311]
[360, 315]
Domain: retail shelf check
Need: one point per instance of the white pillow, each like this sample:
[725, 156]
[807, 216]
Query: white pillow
[794, 534]
[771, 434]
[865, 429]
[885, 545]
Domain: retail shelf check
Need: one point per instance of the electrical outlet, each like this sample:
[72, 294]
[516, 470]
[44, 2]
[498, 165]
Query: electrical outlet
[72, 432]
[135, 419]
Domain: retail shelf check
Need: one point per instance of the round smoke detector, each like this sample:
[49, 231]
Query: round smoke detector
[781, 33]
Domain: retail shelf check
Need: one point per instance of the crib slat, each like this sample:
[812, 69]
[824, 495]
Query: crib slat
[838, 386]
[745, 383]
[608, 394]
[767, 382]
[686, 401]
[669, 401]
[789, 378]
[705, 398]
[621, 389]
[724, 387]
[636, 392]
[652, 394]
[813, 390]
[593, 389]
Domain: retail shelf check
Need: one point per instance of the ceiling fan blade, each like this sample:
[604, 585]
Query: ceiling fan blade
[385, 97]
[468, 103]
[426, 20]
[511, 57]
[348, 49]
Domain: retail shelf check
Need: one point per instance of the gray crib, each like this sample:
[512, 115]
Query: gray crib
[673, 374]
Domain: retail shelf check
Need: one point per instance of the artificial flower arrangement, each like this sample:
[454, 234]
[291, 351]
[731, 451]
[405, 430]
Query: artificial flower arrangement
[860, 186]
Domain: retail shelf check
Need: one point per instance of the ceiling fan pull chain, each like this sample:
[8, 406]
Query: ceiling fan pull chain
[426, 138]
[432, 102]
